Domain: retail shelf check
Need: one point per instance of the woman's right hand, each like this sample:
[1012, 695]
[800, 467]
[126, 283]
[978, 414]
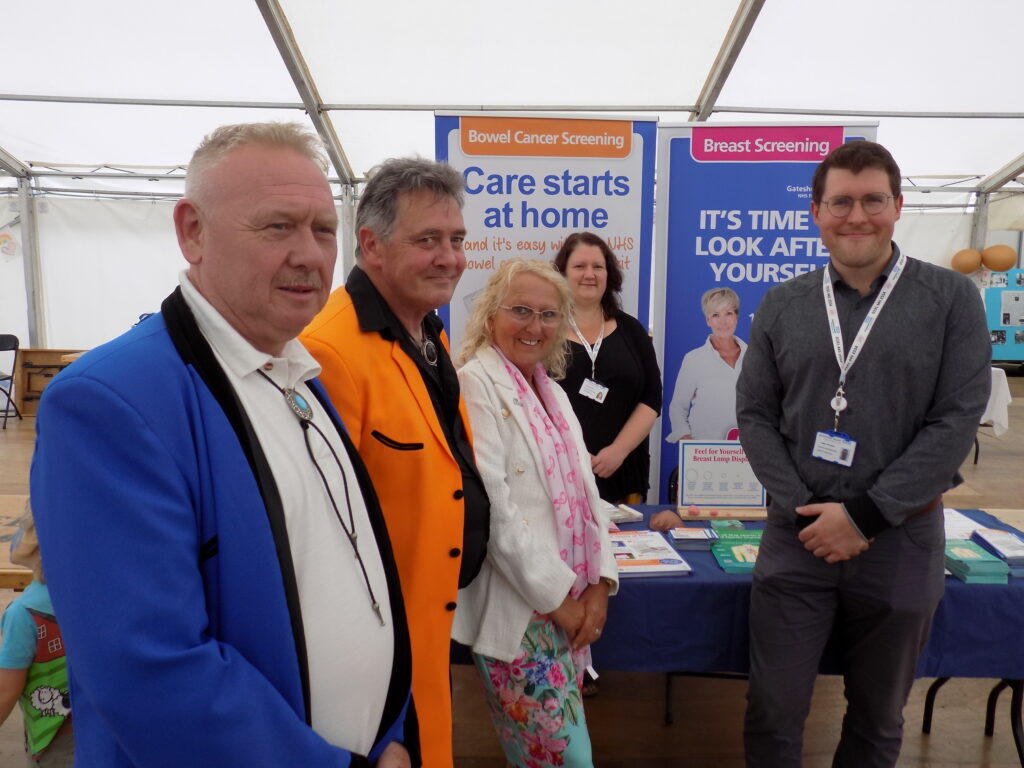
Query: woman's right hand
[665, 520]
[569, 616]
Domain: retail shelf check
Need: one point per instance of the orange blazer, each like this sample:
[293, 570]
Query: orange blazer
[380, 395]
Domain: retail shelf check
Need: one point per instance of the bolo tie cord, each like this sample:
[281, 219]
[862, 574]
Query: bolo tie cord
[304, 414]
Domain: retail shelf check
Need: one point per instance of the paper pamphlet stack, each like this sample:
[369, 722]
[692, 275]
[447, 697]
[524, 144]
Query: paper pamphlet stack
[620, 513]
[958, 525]
[646, 553]
[1005, 545]
[693, 539]
[974, 565]
[736, 551]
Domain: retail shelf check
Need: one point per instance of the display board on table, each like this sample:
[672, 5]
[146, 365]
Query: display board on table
[717, 481]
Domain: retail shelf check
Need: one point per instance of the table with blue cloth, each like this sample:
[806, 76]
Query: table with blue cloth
[698, 624]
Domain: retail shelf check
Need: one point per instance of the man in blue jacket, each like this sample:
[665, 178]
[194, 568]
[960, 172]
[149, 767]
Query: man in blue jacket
[213, 544]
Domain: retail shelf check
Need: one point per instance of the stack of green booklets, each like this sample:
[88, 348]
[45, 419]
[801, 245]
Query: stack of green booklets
[736, 551]
[969, 562]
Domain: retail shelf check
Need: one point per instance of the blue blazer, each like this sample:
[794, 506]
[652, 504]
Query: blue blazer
[167, 556]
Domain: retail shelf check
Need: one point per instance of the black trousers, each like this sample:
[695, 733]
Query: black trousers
[879, 605]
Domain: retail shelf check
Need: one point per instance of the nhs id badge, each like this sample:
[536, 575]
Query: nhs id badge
[595, 391]
[834, 447]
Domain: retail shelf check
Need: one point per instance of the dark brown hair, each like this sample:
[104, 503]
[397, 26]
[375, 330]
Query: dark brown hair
[855, 156]
[610, 302]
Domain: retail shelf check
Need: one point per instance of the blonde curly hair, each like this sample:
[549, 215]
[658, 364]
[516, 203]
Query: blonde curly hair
[480, 329]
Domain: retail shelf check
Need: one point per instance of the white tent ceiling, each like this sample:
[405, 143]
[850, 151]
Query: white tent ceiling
[867, 60]
[110, 97]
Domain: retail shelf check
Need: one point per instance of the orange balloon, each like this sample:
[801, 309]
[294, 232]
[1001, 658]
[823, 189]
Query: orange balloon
[999, 258]
[966, 261]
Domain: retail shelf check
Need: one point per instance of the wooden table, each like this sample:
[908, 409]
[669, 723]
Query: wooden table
[11, 576]
[33, 370]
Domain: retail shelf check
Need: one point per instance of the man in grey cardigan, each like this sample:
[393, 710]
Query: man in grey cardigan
[859, 398]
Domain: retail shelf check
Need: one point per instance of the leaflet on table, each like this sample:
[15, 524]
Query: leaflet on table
[646, 553]
[716, 473]
[969, 562]
[620, 513]
[736, 551]
[958, 525]
[693, 539]
[1006, 545]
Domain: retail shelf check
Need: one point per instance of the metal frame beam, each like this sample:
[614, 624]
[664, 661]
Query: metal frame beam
[13, 165]
[867, 113]
[990, 184]
[362, 107]
[979, 222]
[281, 32]
[1007, 173]
[732, 44]
[137, 102]
[627, 108]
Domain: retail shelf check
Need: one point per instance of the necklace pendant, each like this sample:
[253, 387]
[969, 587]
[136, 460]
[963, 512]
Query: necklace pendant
[429, 352]
[300, 407]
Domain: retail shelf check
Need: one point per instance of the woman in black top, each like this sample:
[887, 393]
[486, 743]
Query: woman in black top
[613, 380]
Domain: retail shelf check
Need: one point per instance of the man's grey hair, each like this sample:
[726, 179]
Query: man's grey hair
[378, 204]
[218, 144]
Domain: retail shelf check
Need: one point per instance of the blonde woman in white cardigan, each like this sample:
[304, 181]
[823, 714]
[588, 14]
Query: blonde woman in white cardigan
[542, 595]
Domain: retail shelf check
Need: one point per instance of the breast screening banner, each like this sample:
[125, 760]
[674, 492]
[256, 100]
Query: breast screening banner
[733, 207]
[530, 181]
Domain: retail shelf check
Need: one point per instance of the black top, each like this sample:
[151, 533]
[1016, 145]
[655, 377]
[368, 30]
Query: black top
[375, 315]
[627, 365]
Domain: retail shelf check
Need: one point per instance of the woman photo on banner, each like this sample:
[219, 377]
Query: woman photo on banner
[612, 378]
[541, 597]
[703, 405]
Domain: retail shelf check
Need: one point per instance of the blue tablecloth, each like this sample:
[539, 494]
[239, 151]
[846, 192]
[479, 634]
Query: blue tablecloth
[698, 623]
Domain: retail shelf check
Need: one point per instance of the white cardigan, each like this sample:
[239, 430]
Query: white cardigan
[523, 571]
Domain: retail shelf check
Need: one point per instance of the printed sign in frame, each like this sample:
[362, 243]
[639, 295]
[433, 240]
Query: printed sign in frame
[716, 480]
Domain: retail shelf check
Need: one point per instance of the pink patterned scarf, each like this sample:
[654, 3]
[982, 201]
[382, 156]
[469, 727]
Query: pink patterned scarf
[579, 539]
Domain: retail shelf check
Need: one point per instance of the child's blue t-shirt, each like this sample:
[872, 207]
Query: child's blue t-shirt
[17, 629]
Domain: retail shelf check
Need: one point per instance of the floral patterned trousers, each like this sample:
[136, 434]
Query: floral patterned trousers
[535, 700]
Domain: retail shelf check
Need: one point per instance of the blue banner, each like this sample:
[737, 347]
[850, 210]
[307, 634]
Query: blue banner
[733, 207]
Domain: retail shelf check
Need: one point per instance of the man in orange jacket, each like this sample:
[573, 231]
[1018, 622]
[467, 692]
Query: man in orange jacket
[387, 369]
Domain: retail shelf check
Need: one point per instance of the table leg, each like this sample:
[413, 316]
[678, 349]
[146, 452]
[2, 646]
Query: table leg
[1015, 716]
[929, 703]
[668, 698]
[990, 708]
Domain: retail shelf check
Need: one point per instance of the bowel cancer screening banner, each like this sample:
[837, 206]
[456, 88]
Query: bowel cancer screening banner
[733, 207]
[531, 181]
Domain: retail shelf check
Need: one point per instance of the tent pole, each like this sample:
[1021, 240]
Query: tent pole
[348, 234]
[33, 274]
[979, 222]
[281, 32]
[739, 31]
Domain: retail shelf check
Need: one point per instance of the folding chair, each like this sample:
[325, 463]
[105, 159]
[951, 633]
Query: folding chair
[9, 343]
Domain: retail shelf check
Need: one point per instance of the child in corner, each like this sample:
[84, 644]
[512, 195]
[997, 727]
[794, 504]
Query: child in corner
[33, 671]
